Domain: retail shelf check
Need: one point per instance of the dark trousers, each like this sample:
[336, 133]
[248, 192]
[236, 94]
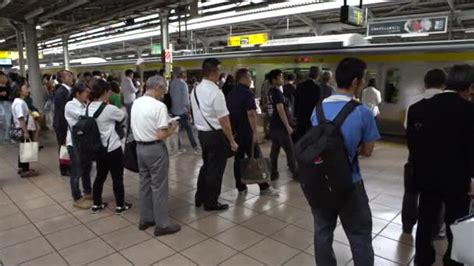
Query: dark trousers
[214, 156]
[245, 149]
[456, 206]
[24, 166]
[61, 139]
[410, 202]
[79, 171]
[112, 161]
[281, 139]
[356, 220]
[184, 124]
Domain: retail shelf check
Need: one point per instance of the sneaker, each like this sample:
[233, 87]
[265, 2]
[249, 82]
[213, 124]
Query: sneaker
[29, 173]
[82, 203]
[271, 192]
[120, 209]
[243, 192]
[197, 151]
[170, 229]
[88, 196]
[98, 208]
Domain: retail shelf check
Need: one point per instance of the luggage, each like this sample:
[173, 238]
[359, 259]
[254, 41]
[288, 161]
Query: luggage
[325, 170]
[463, 239]
[255, 170]
[28, 152]
[86, 136]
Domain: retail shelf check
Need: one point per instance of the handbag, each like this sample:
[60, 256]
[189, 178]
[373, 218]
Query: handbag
[130, 158]
[229, 152]
[16, 133]
[64, 158]
[255, 170]
[463, 238]
[28, 152]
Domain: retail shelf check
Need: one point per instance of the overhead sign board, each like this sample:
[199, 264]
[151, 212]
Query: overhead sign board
[5, 62]
[408, 27]
[156, 49]
[352, 15]
[250, 39]
[14, 55]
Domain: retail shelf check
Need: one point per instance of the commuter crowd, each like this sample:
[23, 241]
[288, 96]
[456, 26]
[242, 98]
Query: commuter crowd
[322, 128]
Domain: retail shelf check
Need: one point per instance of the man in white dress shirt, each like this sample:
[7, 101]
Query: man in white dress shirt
[215, 135]
[128, 90]
[150, 127]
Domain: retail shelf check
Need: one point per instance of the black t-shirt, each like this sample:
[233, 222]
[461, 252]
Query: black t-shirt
[240, 100]
[276, 97]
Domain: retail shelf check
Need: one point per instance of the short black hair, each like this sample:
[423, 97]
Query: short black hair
[460, 78]
[239, 74]
[96, 73]
[274, 74]
[87, 74]
[372, 83]
[209, 66]
[20, 82]
[348, 69]
[79, 87]
[290, 77]
[114, 86]
[435, 78]
[313, 72]
[98, 88]
[129, 72]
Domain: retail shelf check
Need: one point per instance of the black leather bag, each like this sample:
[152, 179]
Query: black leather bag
[255, 170]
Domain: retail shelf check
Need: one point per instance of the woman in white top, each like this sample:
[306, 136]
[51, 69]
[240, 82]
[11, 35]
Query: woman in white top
[371, 97]
[112, 160]
[21, 115]
[72, 112]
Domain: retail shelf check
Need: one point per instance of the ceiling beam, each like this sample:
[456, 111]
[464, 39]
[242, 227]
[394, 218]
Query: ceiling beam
[311, 23]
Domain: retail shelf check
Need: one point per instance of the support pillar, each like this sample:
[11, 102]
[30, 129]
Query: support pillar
[165, 42]
[20, 45]
[34, 73]
[65, 39]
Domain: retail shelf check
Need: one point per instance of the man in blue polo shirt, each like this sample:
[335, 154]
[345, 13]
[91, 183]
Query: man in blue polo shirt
[360, 133]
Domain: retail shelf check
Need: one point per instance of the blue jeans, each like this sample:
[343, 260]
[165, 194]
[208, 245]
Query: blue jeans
[7, 118]
[184, 124]
[79, 170]
[356, 220]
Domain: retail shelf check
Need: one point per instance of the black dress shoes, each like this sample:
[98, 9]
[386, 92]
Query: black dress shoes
[144, 226]
[197, 203]
[171, 229]
[217, 207]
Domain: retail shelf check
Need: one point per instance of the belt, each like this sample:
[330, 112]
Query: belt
[149, 142]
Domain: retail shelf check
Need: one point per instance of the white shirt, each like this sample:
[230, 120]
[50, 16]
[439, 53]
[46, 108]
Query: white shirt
[128, 90]
[72, 111]
[371, 98]
[212, 105]
[428, 94]
[106, 123]
[19, 110]
[148, 116]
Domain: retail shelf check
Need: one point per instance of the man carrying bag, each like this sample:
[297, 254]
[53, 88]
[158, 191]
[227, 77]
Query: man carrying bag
[243, 117]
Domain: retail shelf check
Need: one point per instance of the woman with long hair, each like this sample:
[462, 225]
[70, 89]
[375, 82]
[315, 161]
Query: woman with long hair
[112, 160]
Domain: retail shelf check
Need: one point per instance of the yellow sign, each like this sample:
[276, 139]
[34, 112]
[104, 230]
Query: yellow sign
[13, 55]
[250, 39]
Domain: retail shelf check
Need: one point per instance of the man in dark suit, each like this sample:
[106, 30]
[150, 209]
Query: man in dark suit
[61, 97]
[439, 134]
[308, 93]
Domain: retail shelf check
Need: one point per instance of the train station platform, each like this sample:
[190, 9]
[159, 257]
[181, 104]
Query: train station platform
[40, 226]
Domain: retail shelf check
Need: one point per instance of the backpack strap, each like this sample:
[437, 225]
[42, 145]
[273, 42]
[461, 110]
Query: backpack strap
[320, 112]
[345, 111]
[98, 112]
[202, 114]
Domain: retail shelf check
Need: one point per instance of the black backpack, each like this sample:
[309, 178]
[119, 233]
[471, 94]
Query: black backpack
[325, 171]
[86, 136]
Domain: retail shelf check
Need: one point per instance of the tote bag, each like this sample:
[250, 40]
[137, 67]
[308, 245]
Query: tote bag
[28, 152]
[463, 239]
[64, 158]
[255, 170]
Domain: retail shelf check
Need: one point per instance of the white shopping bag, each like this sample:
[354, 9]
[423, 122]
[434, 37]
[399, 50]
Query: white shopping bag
[28, 152]
[463, 239]
[64, 154]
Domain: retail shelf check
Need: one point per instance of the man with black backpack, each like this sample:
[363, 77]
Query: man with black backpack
[329, 170]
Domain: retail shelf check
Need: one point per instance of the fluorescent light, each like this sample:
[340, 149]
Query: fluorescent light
[89, 60]
[466, 31]
[108, 58]
[145, 54]
[410, 35]
[131, 56]
[2, 40]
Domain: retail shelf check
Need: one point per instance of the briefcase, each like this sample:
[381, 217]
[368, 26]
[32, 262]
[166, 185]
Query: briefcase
[255, 170]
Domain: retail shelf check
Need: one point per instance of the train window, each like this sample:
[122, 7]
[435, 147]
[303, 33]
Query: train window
[392, 83]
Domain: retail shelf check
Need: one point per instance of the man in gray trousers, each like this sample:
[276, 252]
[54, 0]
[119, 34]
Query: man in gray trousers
[151, 126]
